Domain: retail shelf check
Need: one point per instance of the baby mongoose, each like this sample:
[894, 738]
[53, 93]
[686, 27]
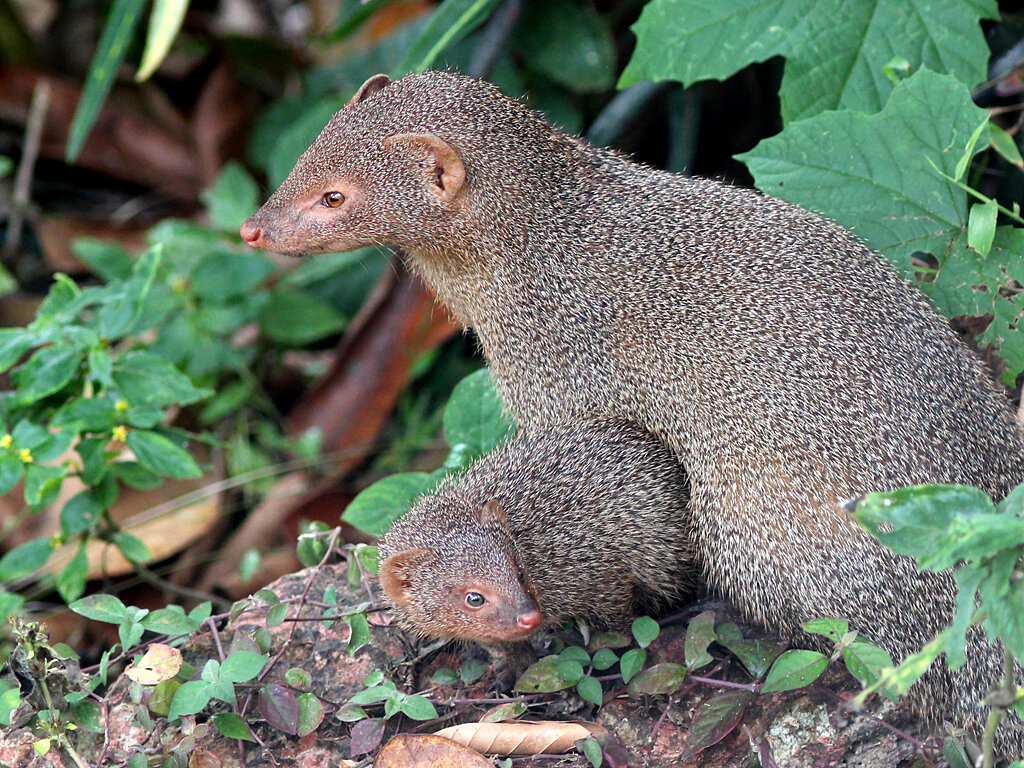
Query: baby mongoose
[785, 365]
[583, 521]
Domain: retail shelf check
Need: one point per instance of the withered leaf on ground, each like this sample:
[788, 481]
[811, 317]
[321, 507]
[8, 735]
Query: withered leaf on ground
[423, 750]
[541, 737]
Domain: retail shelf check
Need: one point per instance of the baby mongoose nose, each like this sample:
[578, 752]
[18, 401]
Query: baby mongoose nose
[251, 233]
[530, 620]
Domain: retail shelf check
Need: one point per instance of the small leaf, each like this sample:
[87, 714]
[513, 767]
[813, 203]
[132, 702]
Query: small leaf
[350, 713]
[661, 678]
[472, 670]
[715, 719]
[106, 608]
[542, 677]
[1004, 144]
[981, 226]
[242, 666]
[418, 708]
[43, 483]
[159, 663]
[374, 509]
[294, 319]
[11, 470]
[159, 454]
[47, 371]
[834, 629]
[865, 660]
[632, 661]
[132, 547]
[591, 749]
[366, 735]
[570, 670]
[604, 659]
[190, 698]
[13, 344]
[279, 707]
[589, 689]
[359, 632]
[794, 669]
[700, 633]
[645, 630]
[444, 676]
[310, 714]
[231, 725]
[757, 655]
[71, 580]
[25, 559]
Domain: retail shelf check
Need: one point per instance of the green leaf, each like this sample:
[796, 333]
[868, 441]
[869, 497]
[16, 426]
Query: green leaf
[632, 661]
[171, 621]
[88, 414]
[71, 580]
[80, 513]
[105, 258]
[591, 749]
[164, 22]
[147, 380]
[294, 319]
[450, 22]
[223, 276]
[14, 342]
[604, 659]
[11, 469]
[881, 162]
[865, 660]
[374, 509]
[132, 547]
[25, 559]
[106, 608]
[700, 633]
[645, 630]
[661, 678]
[1004, 144]
[569, 43]
[43, 483]
[243, 666]
[359, 632]
[570, 669]
[543, 677]
[232, 198]
[47, 371]
[117, 33]
[589, 689]
[232, 726]
[475, 416]
[190, 698]
[310, 714]
[836, 51]
[159, 454]
[834, 629]
[418, 708]
[794, 669]
[134, 475]
[472, 670]
[981, 226]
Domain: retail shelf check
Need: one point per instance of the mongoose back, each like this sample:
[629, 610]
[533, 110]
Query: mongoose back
[585, 521]
[786, 366]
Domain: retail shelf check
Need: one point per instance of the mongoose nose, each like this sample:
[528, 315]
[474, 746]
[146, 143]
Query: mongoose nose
[530, 620]
[251, 233]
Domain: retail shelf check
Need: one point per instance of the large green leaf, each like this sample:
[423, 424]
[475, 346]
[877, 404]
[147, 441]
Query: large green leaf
[121, 21]
[874, 173]
[835, 49]
[475, 419]
[375, 508]
[148, 380]
[452, 21]
[569, 43]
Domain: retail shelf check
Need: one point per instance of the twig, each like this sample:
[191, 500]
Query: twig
[29, 154]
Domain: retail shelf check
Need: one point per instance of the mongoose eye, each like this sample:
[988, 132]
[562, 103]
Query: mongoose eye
[521, 576]
[332, 199]
[475, 599]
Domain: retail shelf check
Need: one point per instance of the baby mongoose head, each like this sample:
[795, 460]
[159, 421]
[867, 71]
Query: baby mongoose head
[451, 570]
[397, 165]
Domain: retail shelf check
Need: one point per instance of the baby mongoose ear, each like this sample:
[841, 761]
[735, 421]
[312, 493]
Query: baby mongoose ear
[443, 171]
[398, 572]
[491, 513]
[370, 87]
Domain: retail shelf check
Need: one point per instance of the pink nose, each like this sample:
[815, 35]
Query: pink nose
[251, 233]
[530, 620]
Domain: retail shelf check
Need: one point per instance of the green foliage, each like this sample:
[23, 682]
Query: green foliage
[835, 50]
[474, 422]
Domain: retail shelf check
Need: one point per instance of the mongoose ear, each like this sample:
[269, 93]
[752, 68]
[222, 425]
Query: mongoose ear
[370, 87]
[491, 513]
[443, 170]
[398, 572]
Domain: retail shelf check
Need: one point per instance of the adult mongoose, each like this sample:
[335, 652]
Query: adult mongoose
[585, 521]
[786, 366]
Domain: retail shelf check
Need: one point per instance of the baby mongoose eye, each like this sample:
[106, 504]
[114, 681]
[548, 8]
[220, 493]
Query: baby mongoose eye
[332, 199]
[475, 600]
[521, 575]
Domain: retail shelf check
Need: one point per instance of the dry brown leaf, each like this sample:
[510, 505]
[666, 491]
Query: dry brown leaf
[541, 737]
[423, 750]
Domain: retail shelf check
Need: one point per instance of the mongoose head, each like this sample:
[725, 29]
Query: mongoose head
[399, 165]
[464, 582]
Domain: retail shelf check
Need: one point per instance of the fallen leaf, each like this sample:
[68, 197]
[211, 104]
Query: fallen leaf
[160, 662]
[423, 750]
[541, 737]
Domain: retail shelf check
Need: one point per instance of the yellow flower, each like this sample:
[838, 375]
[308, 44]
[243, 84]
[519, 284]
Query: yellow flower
[120, 433]
[121, 405]
[6, 440]
[25, 455]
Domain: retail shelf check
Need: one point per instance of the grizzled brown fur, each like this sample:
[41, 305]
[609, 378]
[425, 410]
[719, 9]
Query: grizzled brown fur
[784, 364]
[584, 521]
